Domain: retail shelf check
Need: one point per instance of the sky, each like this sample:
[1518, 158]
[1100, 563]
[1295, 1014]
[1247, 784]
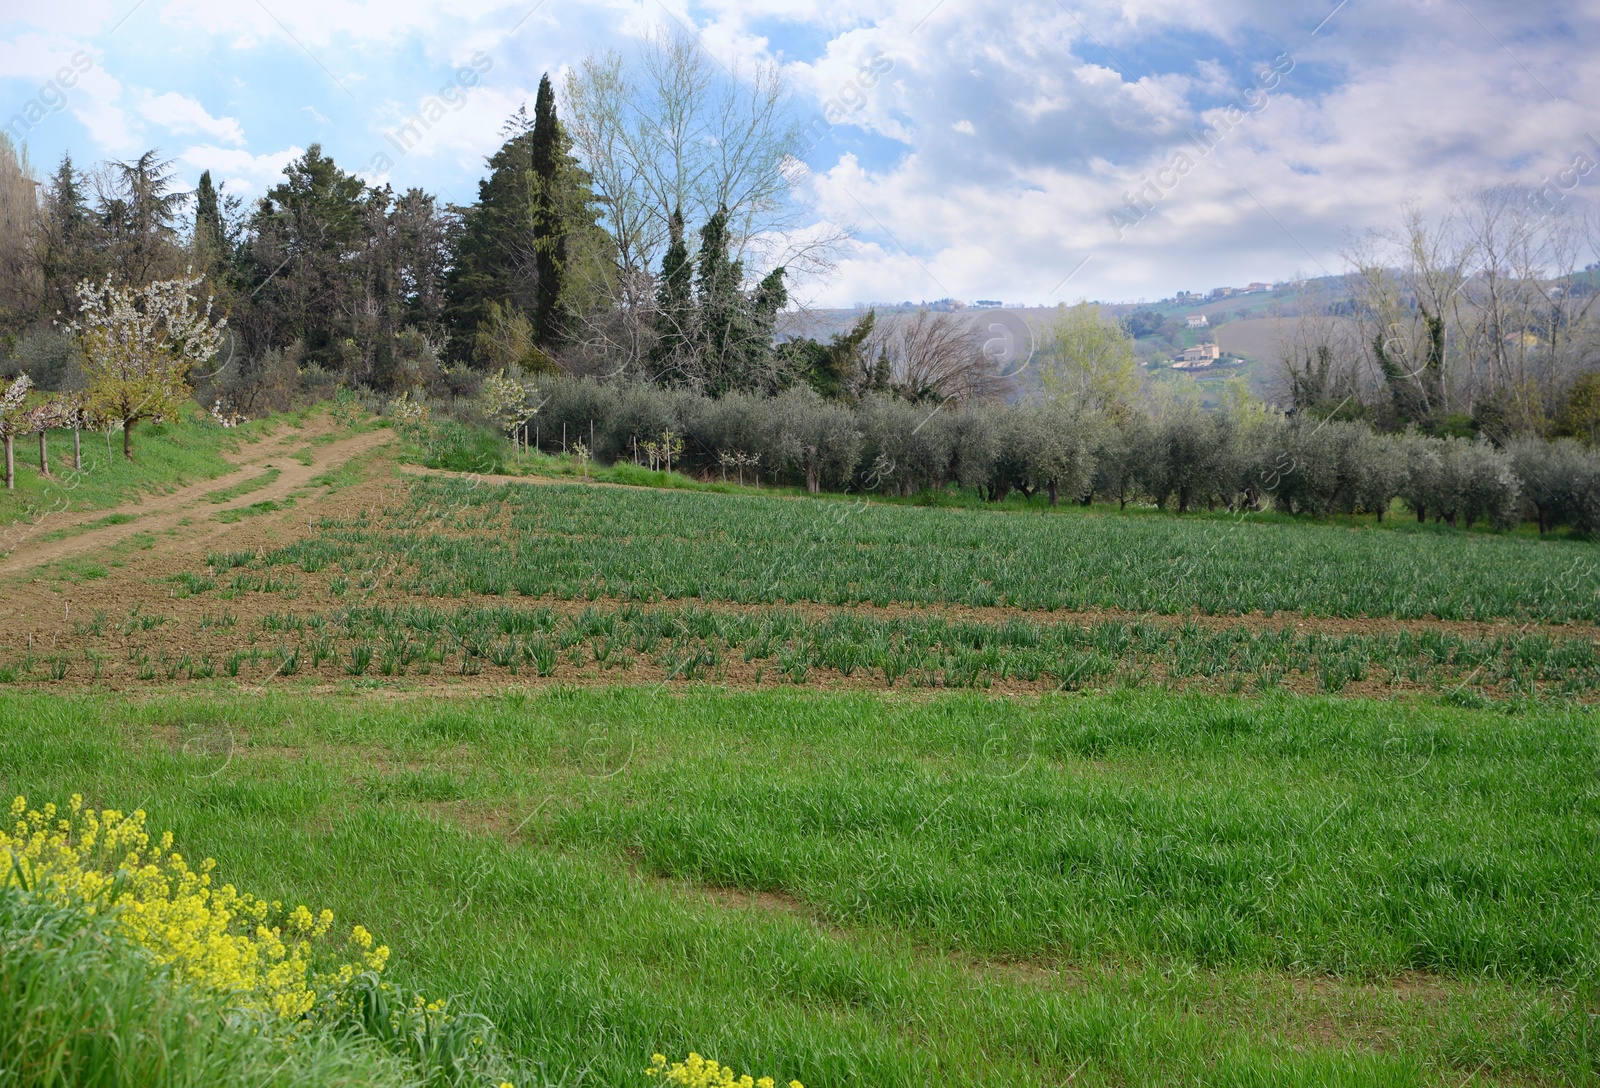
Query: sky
[1033, 152]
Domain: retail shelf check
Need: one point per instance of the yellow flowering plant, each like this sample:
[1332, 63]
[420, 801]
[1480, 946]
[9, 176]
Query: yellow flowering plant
[262, 958]
[698, 1072]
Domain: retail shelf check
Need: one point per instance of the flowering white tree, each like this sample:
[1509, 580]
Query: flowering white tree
[139, 345]
[41, 419]
[13, 419]
[511, 402]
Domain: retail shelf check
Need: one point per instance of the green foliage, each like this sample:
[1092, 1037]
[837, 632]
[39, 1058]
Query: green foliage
[670, 355]
[718, 341]
[526, 244]
[1088, 360]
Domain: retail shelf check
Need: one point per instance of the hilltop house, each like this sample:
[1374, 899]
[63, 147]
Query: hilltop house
[1197, 321]
[1201, 355]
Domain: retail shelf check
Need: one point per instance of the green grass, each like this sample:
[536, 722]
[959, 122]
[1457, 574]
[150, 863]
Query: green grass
[255, 509]
[244, 487]
[463, 536]
[79, 1008]
[165, 456]
[863, 891]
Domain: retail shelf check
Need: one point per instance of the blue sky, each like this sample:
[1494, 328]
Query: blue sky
[986, 162]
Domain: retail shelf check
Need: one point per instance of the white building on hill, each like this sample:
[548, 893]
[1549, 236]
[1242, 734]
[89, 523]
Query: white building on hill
[1198, 321]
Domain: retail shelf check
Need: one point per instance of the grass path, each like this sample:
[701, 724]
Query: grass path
[42, 541]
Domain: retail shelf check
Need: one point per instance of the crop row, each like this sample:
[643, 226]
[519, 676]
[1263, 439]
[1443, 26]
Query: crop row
[452, 538]
[698, 643]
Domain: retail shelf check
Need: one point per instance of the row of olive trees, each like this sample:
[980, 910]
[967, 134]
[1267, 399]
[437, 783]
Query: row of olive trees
[1185, 459]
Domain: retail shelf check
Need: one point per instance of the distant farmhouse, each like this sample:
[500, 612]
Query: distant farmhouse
[1197, 357]
[1198, 321]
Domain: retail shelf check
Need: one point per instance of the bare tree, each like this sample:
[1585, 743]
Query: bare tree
[1406, 286]
[939, 356]
[671, 130]
[20, 225]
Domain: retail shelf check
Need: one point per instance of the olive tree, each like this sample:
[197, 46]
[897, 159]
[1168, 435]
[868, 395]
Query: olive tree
[1557, 479]
[1059, 454]
[815, 438]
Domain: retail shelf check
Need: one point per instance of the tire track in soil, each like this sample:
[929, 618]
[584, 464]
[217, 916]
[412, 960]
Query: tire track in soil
[159, 513]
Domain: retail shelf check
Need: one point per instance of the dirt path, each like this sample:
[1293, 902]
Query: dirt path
[155, 513]
[542, 481]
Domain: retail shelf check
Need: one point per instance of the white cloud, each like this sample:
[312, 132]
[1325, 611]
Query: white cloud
[990, 141]
[181, 114]
[238, 171]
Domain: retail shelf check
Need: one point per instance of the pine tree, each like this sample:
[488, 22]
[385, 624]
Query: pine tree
[492, 251]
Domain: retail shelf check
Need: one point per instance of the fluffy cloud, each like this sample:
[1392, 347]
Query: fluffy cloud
[239, 172]
[181, 114]
[978, 150]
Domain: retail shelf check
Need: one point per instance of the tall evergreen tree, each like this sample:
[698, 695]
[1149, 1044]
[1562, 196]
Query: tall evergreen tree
[551, 161]
[734, 329]
[720, 306]
[210, 235]
[140, 216]
[67, 255]
[534, 222]
[493, 257]
[674, 306]
[301, 271]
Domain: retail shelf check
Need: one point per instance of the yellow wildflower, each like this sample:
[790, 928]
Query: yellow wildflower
[222, 939]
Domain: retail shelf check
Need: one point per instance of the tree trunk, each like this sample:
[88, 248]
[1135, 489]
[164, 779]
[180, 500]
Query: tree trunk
[77, 448]
[1055, 496]
[1422, 515]
[811, 477]
[1380, 515]
[127, 439]
[44, 455]
[11, 463]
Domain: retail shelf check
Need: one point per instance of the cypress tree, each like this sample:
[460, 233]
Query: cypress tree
[720, 304]
[210, 237]
[674, 304]
[549, 162]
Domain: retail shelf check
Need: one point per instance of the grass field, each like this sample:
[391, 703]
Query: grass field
[857, 890]
[165, 455]
[866, 793]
